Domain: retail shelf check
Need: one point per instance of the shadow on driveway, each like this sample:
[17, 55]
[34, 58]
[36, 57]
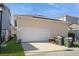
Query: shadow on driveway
[28, 47]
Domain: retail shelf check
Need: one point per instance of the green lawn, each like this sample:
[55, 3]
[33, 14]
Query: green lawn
[12, 49]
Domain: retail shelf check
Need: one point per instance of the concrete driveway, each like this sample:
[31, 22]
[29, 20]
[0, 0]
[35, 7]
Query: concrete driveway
[41, 47]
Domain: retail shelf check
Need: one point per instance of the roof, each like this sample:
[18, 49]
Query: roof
[38, 16]
[74, 26]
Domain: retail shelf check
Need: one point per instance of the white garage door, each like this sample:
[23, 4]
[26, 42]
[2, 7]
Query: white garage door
[34, 34]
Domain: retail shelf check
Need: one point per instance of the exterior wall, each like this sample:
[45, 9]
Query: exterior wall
[62, 18]
[71, 20]
[6, 23]
[55, 27]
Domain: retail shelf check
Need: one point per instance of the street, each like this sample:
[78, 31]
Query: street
[71, 52]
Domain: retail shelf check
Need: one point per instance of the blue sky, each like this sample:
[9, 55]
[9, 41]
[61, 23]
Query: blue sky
[52, 10]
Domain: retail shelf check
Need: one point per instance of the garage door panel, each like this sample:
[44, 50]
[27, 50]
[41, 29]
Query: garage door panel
[34, 34]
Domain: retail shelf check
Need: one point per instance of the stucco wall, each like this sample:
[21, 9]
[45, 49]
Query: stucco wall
[55, 27]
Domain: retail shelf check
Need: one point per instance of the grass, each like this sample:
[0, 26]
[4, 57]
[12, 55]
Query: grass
[12, 49]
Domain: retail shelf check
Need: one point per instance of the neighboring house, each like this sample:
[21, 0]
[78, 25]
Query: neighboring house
[5, 23]
[70, 20]
[39, 28]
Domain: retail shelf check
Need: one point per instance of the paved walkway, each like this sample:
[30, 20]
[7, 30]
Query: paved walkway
[40, 48]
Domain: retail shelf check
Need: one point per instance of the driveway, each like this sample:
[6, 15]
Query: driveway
[41, 47]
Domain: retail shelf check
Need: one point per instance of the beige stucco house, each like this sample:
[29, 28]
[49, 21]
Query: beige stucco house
[39, 28]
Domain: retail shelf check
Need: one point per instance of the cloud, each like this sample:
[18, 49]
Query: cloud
[23, 10]
[76, 6]
[53, 9]
[62, 5]
[55, 12]
[51, 3]
[60, 9]
[56, 5]
[19, 8]
[75, 10]
[63, 8]
[28, 9]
